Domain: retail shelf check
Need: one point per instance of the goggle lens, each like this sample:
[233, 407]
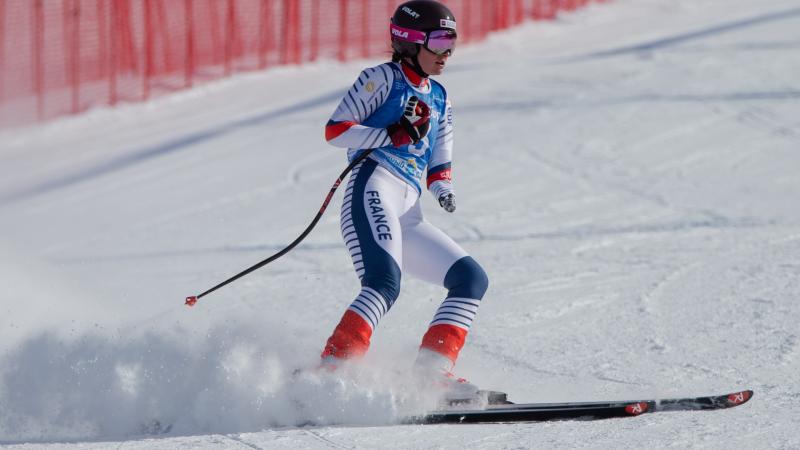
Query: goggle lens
[441, 41]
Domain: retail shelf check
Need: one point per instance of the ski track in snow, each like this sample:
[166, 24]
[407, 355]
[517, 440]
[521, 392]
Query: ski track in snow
[632, 195]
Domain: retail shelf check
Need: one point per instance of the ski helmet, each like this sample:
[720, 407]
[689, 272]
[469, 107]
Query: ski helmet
[420, 23]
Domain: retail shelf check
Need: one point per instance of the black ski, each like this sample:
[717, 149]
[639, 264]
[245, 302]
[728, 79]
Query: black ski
[531, 412]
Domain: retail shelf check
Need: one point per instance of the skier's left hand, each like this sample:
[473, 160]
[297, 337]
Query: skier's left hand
[448, 202]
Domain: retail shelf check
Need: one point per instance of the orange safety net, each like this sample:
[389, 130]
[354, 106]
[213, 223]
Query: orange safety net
[64, 56]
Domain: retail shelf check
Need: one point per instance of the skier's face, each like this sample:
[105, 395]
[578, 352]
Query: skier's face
[430, 62]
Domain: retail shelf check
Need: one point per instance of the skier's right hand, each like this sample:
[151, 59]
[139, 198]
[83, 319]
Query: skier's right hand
[413, 126]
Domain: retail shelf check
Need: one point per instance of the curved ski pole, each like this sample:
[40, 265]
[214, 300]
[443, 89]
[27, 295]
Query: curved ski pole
[191, 300]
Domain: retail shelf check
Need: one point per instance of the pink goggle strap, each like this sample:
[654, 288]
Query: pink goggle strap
[406, 34]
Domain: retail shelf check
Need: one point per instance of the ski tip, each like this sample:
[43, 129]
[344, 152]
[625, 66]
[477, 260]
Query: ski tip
[738, 398]
[190, 301]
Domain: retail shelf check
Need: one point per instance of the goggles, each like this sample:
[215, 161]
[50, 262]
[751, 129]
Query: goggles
[439, 42]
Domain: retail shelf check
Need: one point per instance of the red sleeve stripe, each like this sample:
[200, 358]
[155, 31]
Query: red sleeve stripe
[441, 175]
[336, 129]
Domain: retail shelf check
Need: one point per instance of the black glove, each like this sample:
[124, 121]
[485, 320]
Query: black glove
[413, 126]
[448, 202]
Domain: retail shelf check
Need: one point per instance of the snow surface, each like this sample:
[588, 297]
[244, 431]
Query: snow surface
[627, 175]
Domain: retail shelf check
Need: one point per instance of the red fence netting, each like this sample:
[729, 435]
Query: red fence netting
[64, 56]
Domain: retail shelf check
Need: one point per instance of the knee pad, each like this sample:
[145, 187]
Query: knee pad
[466, 279]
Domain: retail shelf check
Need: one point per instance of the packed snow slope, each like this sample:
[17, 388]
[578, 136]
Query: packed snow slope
[627, 175]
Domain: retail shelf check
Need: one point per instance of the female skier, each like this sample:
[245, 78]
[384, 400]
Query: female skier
[396, 109]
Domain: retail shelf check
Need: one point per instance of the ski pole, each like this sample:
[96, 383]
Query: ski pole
[191, 300]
